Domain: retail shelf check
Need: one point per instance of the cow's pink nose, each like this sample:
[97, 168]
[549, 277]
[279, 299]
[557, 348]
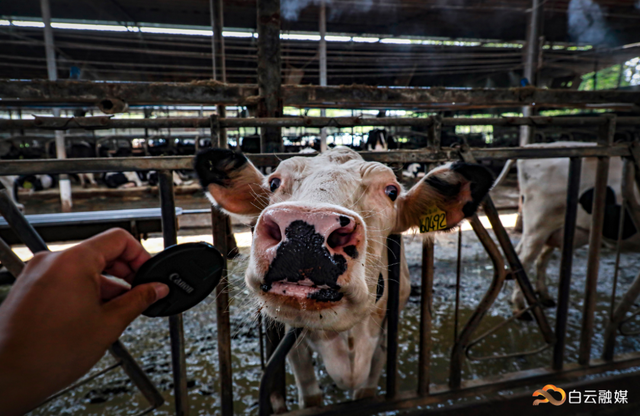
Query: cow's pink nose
[336, 231]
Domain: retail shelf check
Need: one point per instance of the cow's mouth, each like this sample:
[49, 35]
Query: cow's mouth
[302, 290]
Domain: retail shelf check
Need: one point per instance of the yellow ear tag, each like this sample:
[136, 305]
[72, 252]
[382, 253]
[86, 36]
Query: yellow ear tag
[434, 219]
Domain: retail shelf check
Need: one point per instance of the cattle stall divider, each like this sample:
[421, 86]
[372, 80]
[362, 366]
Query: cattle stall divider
[424, 394]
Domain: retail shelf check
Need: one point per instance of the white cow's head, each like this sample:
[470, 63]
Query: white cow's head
[321, 225]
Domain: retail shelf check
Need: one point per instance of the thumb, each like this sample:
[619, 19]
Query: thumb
[130, 305]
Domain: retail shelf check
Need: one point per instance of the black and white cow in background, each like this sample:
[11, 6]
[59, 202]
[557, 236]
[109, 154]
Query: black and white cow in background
[543, 185]
[319, 258]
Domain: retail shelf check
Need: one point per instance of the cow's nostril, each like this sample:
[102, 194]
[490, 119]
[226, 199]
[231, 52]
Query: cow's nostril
[340, 237]
[272, 231]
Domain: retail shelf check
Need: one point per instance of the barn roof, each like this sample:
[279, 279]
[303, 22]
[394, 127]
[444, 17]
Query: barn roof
[449, 43]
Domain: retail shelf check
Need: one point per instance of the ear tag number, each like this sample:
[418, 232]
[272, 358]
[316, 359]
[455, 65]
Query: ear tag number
[434, 219]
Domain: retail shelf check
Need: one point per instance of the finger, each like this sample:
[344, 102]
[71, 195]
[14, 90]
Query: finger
[130, 305]
[111, 288]
[121, 269]
[117, 244]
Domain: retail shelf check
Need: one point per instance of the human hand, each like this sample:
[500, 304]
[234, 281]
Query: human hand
[62, 314]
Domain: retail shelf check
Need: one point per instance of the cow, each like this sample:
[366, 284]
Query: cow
[379, 141]
[82, 149]
[318, 258]
[543, 186]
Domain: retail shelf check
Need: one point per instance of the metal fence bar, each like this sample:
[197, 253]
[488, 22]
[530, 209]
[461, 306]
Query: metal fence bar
[119, 164]
[269, 375]
[499, 275]
[564, 287]
[45, 92]
[513, 260]
[223, 323]
[394, 244]
[595, 240]
[424, 351]
[221, 227]
[133, 370]
[176, 328]
[472, 388]
[107, 122]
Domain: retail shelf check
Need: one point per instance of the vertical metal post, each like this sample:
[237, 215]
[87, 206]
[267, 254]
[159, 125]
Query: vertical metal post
[424, 359]
[269, 73]
[534, 30]
[176, 329]
[220, 231]
[595, 241]
[435, 132]
[218, 57]
[52, 71]
[564, 288]
[221, 228]
[322, 52]
[394, 244]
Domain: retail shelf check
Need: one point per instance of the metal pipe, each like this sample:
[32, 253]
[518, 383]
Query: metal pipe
[49, 47]
[10, 260]
[424, 358]
[394, 253]
[626, 303]
[512, 257]
[52, 70]
[54, 93]
[273, 367]
[564, 287]
[218, 55]
[137, 375]
[322, 52]
[456, 315]
[593, 260]
[176, 328]
[220, 233]
[52, 166]
[20, 225]
[104, 123]
[269, 73]
[499, 275]
[595, 240]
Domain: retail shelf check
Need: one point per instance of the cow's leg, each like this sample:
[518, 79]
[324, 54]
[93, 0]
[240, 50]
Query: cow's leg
[92, 180]
[81, 176]
[377, 364]
[541, 277]
[528, 250]
[301, 361]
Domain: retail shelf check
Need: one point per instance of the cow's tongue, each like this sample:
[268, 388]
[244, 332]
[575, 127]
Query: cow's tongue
[302, 291]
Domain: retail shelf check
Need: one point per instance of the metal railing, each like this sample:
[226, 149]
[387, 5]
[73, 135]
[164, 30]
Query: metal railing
[501, 254]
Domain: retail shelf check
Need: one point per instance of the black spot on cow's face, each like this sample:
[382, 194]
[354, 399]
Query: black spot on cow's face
[303, 255]
[215, 165]
[379, 287]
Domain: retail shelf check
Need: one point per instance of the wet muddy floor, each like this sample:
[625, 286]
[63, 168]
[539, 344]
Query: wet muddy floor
[148, 339]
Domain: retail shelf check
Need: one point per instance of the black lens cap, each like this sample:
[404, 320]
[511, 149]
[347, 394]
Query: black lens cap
[191, 271]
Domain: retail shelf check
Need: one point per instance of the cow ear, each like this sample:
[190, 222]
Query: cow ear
[444, 197]
[231, 181]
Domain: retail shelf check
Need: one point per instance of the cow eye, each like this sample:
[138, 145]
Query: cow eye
[392, 192]
[274, 184]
